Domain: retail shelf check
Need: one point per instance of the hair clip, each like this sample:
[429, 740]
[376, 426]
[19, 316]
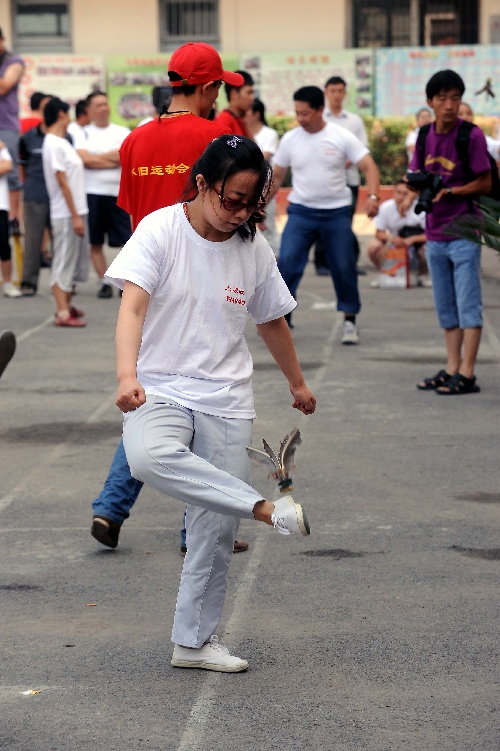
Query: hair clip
[233, 142]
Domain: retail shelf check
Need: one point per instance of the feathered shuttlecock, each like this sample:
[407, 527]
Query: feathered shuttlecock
[279, 465]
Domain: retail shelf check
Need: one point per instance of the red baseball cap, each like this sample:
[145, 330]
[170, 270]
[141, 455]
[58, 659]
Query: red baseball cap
[198, 63]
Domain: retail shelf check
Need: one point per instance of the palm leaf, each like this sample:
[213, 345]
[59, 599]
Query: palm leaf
[483, 227]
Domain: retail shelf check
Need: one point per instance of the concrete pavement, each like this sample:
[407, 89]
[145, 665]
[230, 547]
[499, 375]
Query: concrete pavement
[378, 632]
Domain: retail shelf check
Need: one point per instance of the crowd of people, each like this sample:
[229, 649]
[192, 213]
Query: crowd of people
[198, 251]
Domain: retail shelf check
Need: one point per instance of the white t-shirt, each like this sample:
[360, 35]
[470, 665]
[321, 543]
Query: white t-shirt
[355, 125]
[267, 139]
[318, 165]
[493, 147]
[77, 132]
[193, 346]
[390, 220]
[59, 156]
[411, 140]
[102, 182]
[4, 185]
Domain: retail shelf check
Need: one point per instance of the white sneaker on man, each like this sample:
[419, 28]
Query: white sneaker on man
[289, 517]
[211, 656]
[350, 333]
[424, 281]
[10, 290]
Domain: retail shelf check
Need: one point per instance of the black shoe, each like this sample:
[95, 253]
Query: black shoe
[7, 349]
[28, 290]
[105, 292]
[322, 271]
[105, 531]
[288, 319]
[14, 227]
[360, 271]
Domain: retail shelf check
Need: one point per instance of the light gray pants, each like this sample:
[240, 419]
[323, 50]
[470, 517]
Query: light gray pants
[188, 455]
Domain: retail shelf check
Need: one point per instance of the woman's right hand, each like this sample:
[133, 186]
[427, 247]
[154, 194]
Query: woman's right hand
[130, 395]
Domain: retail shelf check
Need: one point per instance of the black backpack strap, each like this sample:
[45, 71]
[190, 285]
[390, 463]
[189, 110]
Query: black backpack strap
[462, 144]
[420, 145]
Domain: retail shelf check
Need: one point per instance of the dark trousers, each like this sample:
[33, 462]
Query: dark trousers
[319, 251]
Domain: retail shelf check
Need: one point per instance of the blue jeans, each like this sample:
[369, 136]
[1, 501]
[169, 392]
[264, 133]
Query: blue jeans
[455, 267]
[333, 227]
[120, 492]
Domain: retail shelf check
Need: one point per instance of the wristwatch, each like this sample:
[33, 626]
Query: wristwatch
[448, 192]
[374, 196]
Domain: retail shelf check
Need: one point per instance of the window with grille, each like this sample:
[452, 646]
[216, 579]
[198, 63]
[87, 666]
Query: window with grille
[41, 26]
[182, 22]
[388, 23]
[381, 23]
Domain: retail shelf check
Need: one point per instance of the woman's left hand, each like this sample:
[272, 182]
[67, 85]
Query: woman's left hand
[304, 399]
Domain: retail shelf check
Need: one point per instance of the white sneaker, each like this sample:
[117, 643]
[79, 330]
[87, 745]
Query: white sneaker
[324, 305]
[211, 656]
[424, 281]
[289, 517]
[350, 333]
[9, 290]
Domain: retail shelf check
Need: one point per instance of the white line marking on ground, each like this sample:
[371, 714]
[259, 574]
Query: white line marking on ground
[29, 332]
[194, 737]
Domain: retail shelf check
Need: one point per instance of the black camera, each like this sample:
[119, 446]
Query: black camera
[428, 184]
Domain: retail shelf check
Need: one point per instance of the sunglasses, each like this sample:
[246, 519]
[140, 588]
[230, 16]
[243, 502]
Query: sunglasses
[231, 205]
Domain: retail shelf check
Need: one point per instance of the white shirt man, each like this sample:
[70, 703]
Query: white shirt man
[98, 145]
[320, 201]
[394, 215]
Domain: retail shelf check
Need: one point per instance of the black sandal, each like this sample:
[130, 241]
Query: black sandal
[459, 384]
[431, 384]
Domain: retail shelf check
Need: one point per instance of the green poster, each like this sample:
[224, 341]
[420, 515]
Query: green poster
[130, 83]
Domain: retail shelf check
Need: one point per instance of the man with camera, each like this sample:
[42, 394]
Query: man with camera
[448, 186]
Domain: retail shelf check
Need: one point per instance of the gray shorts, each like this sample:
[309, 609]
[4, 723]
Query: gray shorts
[70, 255]
[11, 140]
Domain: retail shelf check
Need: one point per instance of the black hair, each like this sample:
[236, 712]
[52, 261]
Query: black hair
[81, 108]
[36, 98]
[225, 156]
[444, 80]
[259, 107]
[93, 95]
[335, 81]
[52, 109]
[310, 94]
[247, 81]
[161, 96]
[187, 89]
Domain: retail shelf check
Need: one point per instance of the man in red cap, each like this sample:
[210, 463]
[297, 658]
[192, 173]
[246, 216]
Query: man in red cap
[156, 159]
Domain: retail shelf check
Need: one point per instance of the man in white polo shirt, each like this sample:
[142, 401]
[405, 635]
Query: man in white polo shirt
[320, 201]
[98, 145]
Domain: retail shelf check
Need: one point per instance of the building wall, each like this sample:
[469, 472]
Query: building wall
[132, 26]
[115, 26]
[267, 26]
